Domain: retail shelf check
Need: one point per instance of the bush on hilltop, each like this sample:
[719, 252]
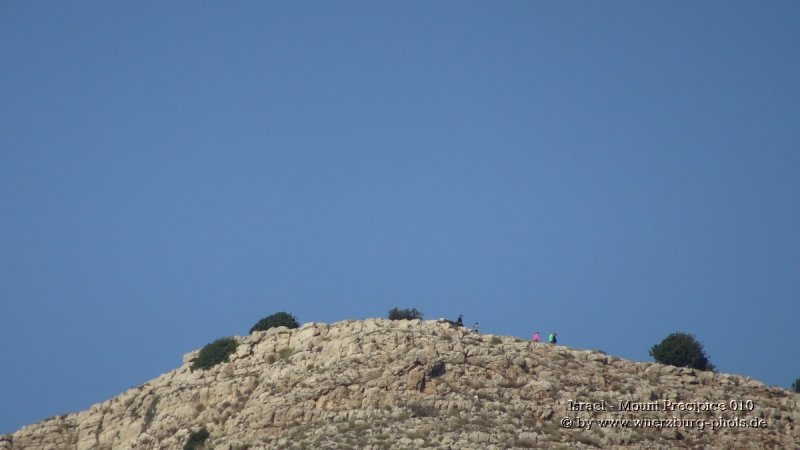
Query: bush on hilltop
[404, 314]
[214, 353]
[280, 319]
[681, 350]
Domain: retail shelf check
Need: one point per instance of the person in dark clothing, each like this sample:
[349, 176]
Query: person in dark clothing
[460, 321]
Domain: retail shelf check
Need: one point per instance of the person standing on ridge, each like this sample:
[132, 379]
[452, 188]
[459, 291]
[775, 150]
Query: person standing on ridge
[552, 338]
[460, 321]
[536, 337]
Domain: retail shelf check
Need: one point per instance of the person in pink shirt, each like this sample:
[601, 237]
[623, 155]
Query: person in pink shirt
[536, 337]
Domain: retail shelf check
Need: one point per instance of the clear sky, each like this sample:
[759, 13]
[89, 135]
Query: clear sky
[171, 172]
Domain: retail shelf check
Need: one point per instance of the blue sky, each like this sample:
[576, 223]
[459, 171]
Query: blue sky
[171, 172]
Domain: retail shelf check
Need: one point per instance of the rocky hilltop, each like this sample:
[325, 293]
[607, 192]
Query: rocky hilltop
[379, 384]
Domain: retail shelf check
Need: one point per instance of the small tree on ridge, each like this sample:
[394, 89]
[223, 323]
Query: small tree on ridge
[215, 353]
[279, 319]
[404, 314]
[681, 350]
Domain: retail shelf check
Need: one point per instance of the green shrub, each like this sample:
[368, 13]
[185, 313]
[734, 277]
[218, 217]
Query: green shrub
[796, 385]
[196, 439]
[150, 414]
[404, 314]
[681, 350]
[524, 443]
[214, 353]
[422, 410]
[285, 353]
[280, 319]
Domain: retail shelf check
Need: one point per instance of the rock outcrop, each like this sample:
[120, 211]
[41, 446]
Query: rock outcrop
[379, 384]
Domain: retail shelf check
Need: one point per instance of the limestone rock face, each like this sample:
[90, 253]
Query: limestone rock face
[379, 384]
